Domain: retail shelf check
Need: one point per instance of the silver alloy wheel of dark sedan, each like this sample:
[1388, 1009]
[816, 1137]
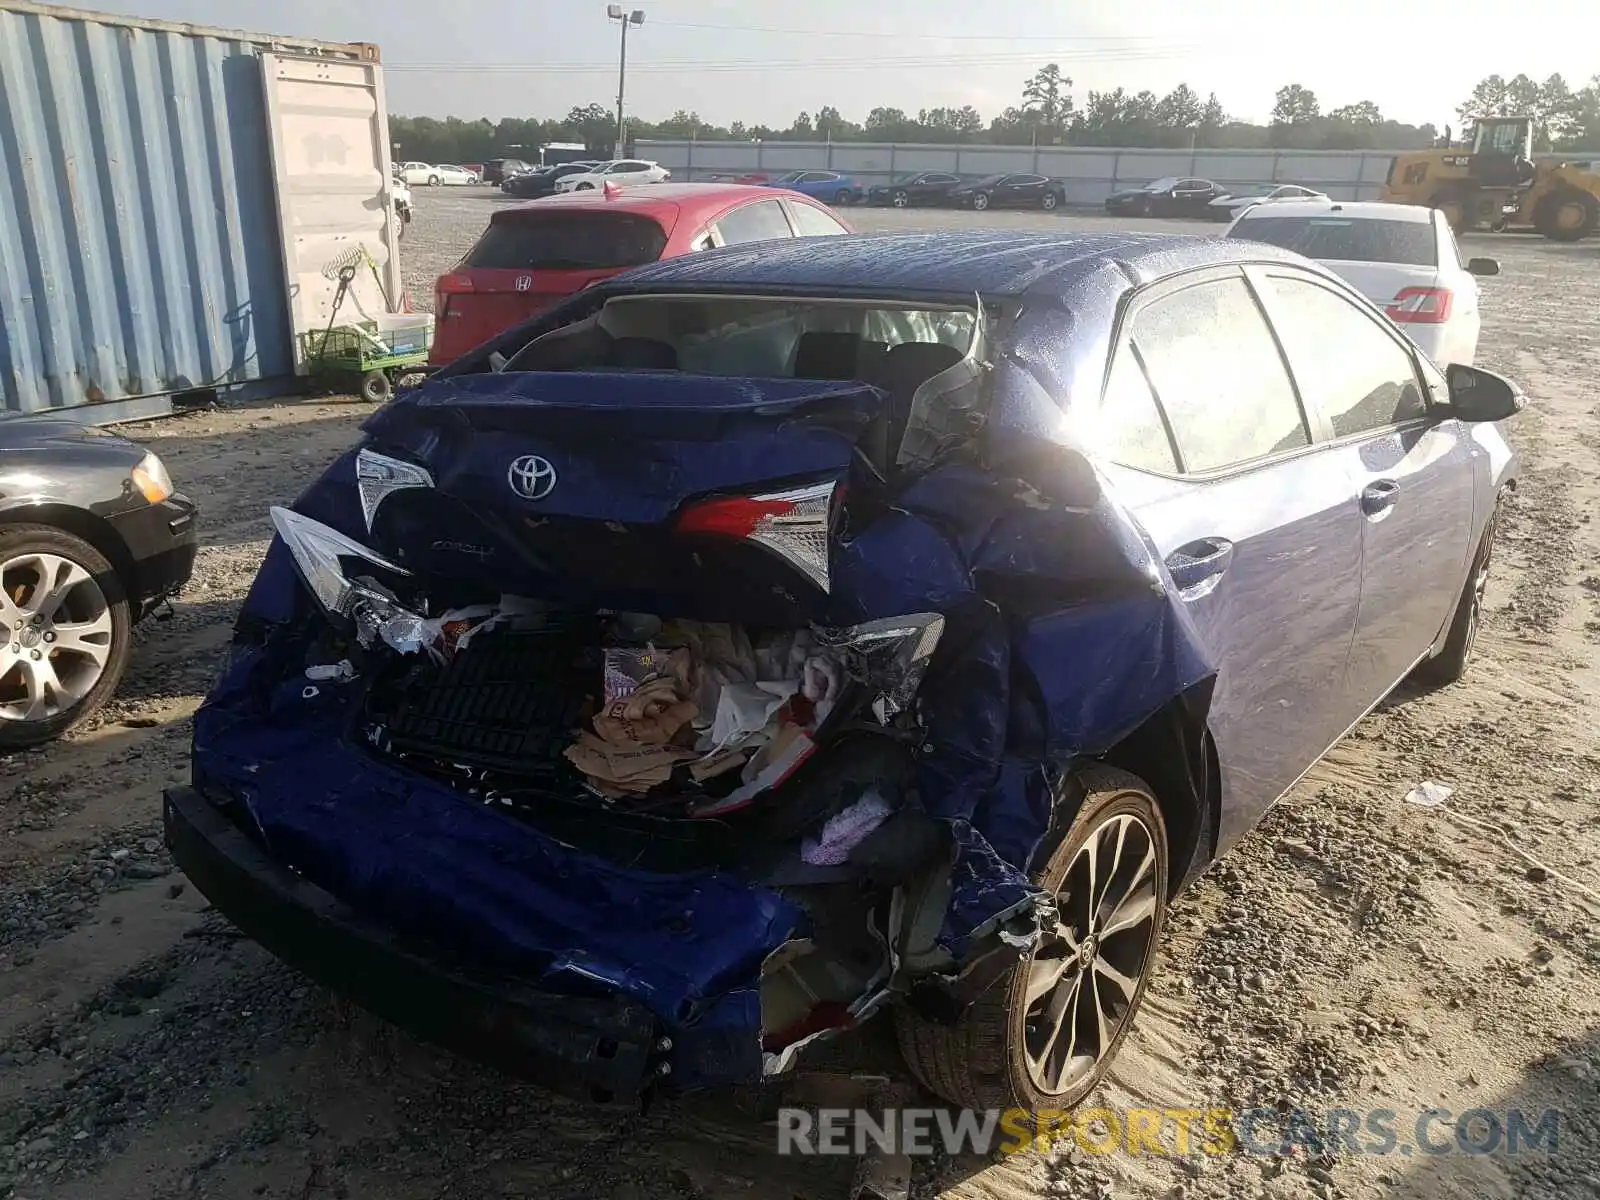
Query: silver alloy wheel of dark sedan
[57, 639]
[1084, 979]
[980, 201]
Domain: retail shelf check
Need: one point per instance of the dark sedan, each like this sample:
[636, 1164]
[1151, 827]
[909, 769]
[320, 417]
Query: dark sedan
[925, 189]
[1169, 197]
[531, 185]
[983, 588]
[1023, 190]
[497, 170]
[92, 538]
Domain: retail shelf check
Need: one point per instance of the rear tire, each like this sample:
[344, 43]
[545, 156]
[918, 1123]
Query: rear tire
[1567, 215]
[1455, 655]
[435, 181]
[101, 599]
[842, 198]
[375, 387]
[999, 1053]
[584, 187]
[1048, 202]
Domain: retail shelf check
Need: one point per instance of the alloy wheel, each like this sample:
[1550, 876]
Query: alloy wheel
[55, 635]
[1084, 979]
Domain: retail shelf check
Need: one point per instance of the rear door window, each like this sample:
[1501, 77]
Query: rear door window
[1219, 376]
[813, 222]
[761, 222]
[567, 241]
[1346, 239]
[1346, 363]
[1130, 429]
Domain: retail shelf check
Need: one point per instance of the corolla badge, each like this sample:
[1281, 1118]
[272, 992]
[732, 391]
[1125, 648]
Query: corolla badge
[532, 477]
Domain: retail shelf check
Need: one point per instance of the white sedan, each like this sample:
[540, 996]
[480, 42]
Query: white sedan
[1226, 208]
[1402, 257]
[450, 175]
[623, 171]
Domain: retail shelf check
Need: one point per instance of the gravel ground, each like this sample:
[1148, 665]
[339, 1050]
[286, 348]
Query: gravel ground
[1355, 952]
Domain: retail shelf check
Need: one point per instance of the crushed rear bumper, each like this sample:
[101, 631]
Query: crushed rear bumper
[606, 1051]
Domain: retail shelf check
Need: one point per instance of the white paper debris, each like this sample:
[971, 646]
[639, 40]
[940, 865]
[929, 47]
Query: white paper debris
[1429, 794]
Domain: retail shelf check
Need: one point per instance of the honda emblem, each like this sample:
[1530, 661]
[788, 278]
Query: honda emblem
[524, 282]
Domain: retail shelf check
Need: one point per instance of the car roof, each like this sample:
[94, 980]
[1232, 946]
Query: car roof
[693, 201]
[1362, 210]
[992, 262]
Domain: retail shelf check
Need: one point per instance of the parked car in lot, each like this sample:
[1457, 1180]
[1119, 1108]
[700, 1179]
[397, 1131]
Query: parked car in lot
[542, 182]
[765, 640]
[92, 538]
[752, 178]
[831, 187]
[925, 188]
[1227, 207]
[451, 175]
[497, 170]
[624, 173]
[534, 255]
[419, 174]
[400, 196]
[1402, 257]
[1169, 197]
[1009, 191]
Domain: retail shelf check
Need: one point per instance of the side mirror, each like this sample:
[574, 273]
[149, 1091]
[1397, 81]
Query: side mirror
[1479, 395]
[1483, 266]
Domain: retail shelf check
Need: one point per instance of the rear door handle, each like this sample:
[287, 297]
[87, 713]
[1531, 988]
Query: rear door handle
[1378, 498]
[1199, 562]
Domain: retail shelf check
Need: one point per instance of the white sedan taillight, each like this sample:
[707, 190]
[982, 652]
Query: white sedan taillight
[1420, 306]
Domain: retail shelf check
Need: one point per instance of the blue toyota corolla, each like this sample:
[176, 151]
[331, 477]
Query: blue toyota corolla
[784, 634]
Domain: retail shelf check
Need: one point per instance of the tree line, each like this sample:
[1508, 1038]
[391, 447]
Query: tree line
[1048, 114]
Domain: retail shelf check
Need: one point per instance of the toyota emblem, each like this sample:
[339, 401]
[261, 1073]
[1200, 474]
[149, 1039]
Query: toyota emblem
[524, 283]
[532, 477]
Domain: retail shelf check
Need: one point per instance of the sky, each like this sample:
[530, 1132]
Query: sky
[764, 63]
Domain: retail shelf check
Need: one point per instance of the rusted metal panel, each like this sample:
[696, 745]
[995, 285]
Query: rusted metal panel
[140, 252]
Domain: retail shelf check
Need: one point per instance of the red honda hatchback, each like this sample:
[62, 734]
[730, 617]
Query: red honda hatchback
[541, 252]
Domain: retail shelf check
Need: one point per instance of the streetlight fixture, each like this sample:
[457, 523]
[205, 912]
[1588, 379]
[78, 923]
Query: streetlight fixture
[617, 13]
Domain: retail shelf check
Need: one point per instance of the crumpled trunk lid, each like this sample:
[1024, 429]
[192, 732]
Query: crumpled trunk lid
[567, 486]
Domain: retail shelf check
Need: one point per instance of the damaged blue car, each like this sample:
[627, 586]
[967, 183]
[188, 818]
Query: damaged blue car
[785, 636]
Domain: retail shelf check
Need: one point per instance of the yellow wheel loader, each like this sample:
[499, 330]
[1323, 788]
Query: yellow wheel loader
[1495, 182]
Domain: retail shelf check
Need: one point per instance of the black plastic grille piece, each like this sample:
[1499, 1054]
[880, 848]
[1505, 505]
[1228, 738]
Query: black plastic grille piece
[510, 701]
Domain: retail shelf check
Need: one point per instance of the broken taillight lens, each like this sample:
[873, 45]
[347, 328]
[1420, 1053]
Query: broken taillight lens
[791, 524]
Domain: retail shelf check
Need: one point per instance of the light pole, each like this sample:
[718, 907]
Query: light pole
[636, 17]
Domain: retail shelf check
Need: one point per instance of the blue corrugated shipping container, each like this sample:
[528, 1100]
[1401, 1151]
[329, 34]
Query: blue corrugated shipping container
[140, 244]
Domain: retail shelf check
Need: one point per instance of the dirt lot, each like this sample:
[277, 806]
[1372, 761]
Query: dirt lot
[1355, 952]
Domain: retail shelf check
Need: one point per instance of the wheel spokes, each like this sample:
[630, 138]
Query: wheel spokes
[1083, 980]
[91, 639]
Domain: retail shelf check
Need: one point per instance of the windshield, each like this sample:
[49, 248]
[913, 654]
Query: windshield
[567, 241]
[1346, 239]
[788, 177]
[1161, 185]
[987, 180]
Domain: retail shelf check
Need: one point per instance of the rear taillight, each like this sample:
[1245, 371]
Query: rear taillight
[447, 286]
[1420, 306]
[792, 524]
